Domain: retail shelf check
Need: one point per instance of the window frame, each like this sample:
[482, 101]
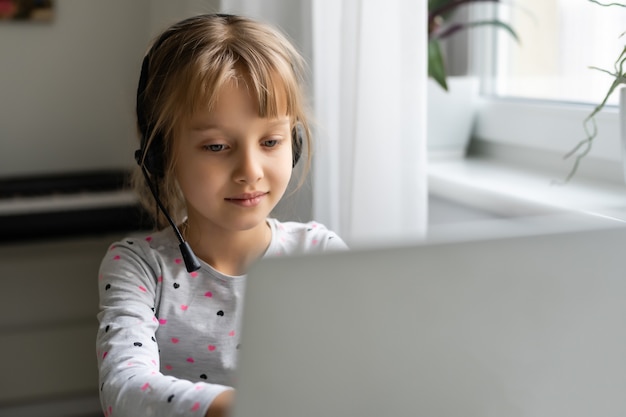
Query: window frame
[546, 125]
[535, 124]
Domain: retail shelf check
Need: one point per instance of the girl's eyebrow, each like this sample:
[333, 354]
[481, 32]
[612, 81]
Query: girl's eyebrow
[202, 128]
[205, 127]
[279, 120]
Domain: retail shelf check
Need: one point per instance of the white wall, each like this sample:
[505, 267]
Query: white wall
[165, 12]
[67, 88]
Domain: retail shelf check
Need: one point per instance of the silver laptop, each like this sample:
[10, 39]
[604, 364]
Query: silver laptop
[531, 326]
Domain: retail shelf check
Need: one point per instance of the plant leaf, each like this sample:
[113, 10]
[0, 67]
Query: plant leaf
[497, 23]
[445, 8]
[436, 67]
[607, 4]
[435, 6]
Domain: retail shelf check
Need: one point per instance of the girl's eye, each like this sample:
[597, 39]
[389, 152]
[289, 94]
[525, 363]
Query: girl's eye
[215, 147]
[270, 143]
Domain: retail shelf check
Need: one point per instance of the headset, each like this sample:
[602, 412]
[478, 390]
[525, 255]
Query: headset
[150, 157]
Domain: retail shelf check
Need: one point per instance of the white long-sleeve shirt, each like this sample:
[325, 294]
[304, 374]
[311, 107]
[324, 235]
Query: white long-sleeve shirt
[168, 339]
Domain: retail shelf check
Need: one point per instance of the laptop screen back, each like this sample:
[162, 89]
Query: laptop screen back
[521, 326]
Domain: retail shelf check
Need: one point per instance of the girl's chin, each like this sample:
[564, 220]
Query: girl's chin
[232, 224]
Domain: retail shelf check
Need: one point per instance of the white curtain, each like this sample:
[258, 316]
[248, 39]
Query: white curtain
[369, 82]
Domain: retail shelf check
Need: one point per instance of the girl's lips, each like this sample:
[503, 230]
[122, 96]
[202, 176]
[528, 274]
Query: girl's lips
[247, 199]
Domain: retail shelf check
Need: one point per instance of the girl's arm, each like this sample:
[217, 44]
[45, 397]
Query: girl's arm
[128, 353]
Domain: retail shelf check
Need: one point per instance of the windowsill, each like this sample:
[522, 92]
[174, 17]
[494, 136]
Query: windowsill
[510, 190]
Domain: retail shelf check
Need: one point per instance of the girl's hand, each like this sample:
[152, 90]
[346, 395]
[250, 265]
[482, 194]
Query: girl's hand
[221, 405]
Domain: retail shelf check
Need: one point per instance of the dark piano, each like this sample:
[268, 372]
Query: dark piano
[68, 205]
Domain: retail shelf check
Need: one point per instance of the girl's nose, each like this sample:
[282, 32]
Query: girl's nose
[249, 169]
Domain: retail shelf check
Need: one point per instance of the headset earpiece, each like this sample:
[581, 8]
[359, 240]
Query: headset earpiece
[152, 157]
[297, 140]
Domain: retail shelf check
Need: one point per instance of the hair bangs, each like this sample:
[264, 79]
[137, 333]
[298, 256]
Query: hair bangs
[275, 91]
[270, 76]
[197, 88]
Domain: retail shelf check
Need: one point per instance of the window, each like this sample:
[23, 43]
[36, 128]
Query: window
[537, 93]
[560, 39]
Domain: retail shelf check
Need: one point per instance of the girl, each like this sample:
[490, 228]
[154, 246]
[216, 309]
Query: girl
[220, 109]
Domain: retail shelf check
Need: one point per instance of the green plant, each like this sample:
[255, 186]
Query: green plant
[589, 123]
[440, 27]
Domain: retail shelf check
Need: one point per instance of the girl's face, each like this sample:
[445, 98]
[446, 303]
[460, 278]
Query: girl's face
[232, 165]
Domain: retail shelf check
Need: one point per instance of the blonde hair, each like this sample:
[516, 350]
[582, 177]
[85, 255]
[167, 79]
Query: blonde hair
[185, 69]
